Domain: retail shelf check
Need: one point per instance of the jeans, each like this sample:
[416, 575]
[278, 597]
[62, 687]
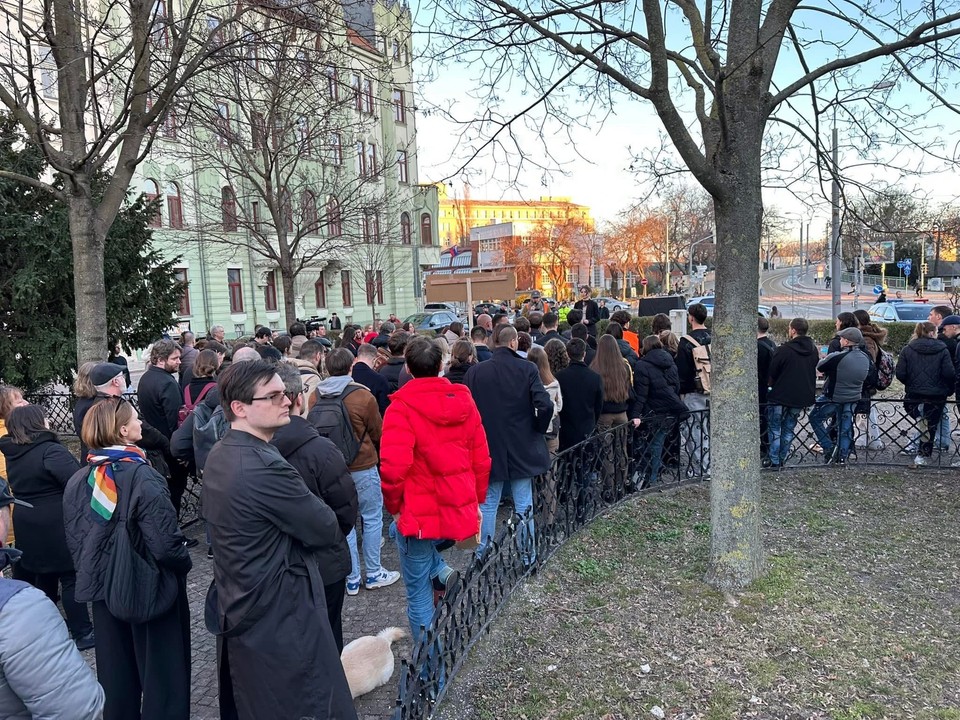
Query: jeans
[822, 412]
[657, 431]
[419, 564]
[933, 415]
[781, 427]
[942, 439]
[697, 430]
[370, 501]
[522, 491]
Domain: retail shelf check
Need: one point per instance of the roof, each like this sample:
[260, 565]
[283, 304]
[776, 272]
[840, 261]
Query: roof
[356, 39]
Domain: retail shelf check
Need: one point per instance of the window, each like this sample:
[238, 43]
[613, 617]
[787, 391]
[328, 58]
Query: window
[309, 213]
[426, 230]
[405, 234]
[396, 51]
[174, 208]
[180, 275]
[406, 54]
[368, 96]
[270, 292]
[213, 23]
[402, 166]
[346, 289]
[399, 111]
[151, 191]
[332, 92]
[235, 288]
[252, 53]
[303, 135]
[371, 163]
[160, 35]
[255, 213]
[221, 122]
[334, 218]
[258, 130]
[336, 149]
[380, 287]
[361, 160]
[228, 208]
[355, 89]
[371, 227]
[320, 292]
[169, 129]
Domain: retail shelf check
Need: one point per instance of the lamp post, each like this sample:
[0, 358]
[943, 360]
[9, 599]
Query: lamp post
[667, 273]
[936, 252]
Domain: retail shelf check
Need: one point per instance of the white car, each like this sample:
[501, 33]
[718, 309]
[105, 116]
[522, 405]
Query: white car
[708, 300]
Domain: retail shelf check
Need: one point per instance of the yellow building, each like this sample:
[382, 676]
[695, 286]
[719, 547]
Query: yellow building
[458, 215]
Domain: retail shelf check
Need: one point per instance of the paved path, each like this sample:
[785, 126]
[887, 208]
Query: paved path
[365, 614]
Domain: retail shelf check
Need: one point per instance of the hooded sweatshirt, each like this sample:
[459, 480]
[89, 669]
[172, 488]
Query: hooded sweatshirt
[793, 373]
[435, 463]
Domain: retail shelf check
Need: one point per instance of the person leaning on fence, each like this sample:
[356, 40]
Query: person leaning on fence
[657, 387]
[697, 426]
[845, 371]
[435, 469]
[619, 407]
[792, 388]
[926, 370]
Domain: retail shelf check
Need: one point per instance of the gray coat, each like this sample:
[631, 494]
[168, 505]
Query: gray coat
[845, 372]
[42, 675]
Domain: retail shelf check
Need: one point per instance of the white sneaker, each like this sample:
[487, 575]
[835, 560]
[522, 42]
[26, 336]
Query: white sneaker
[921, 460]
[383, 579]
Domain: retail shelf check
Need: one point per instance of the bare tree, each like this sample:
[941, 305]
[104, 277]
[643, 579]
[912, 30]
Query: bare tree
[710, 79]
[91, 84]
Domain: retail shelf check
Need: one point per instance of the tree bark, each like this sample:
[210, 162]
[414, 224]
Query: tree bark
[287, 280]
[88, 279]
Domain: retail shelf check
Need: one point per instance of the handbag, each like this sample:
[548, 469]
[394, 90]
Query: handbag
[136, 588]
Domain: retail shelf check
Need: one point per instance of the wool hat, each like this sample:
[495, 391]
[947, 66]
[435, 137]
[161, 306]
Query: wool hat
[104, 372]
[851, 334]
[950, 320]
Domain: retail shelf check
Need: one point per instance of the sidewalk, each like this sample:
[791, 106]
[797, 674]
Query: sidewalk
[364, 614]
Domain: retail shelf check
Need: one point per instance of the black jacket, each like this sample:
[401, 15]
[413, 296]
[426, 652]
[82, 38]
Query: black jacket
[322, 468]
[160, 399]
[483, 353]
[144, 500]
[628, 354]
[926, 369]
[582, 391]
[391, 372]
[516, 412]
[456, 373]
[685, 359]
[548, 336]
[153, 441]
[381, 340]
[38, 473]
[591, 314]
[376, 383]
[793, 373]
[181, 444]
[765, 349]
[657, 385]
[196, 386]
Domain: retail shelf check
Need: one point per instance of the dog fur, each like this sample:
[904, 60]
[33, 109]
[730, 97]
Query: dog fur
[368, 660]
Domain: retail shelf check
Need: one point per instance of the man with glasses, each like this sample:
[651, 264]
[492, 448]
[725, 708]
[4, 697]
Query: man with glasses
[266, 602]
[591, 311]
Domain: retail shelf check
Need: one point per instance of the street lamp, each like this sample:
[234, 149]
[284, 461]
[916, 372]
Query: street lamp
[835, 248]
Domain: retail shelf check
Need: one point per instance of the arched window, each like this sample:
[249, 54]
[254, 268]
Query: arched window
[426, 229]
[174, 207]
[228, 207]
[309, 213]
[151, 191]
[406, 236]
[334, 218]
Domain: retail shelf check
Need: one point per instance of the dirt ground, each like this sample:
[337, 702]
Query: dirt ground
[858, 615]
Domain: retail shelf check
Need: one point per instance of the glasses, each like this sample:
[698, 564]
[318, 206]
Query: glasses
[275, 397]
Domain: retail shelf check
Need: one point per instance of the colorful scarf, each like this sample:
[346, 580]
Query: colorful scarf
[103, 501]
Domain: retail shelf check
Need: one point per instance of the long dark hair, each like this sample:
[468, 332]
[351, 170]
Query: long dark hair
[26, 423]
[612, 369]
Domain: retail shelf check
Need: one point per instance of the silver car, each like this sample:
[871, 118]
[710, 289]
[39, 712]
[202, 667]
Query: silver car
[899, 312]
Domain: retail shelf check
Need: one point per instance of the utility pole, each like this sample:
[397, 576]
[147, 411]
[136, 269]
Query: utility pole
[835, 250]
[667, 273]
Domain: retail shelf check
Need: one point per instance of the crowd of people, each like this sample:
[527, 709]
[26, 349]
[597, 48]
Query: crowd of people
[302, 437]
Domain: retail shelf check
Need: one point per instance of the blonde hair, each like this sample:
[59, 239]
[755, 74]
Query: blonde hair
[924, 329]
[102, 423]
[670, 342]
[83, 386]
[538, 356]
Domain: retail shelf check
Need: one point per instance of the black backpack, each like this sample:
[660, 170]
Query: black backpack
[872, 382]
[209, 425]
[330, 417]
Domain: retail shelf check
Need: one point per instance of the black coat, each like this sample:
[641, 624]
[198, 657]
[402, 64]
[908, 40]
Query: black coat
[926, 369]
[456, 373]
[266, 603]
[154, 442]
[582, 391]
[144, 500]
[516, 412]
[391, 372]
[322, 468]
[765, 349]
[160, 399]
[38, 472]
[591, 314]
[657, 385]
[181, 444]
[196, 386]
[548, 336]
[792, 374]
[381, 340]
[483, 353]
[376, 383]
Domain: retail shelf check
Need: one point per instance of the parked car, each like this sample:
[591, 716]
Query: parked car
[432, 320]
[441, 306]
[613, 304]
[899, 312]
[708, 300]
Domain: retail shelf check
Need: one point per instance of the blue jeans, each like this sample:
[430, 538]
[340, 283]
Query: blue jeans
[419, 563]
[370, 501]
[942, 439]
[654, 451]
[522, 492]
[822, 411]
[781, 427]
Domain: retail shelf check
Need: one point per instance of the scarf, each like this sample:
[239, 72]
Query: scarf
[103, 500]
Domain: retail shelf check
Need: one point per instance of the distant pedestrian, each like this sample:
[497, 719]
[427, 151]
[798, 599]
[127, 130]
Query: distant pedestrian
[588, 306]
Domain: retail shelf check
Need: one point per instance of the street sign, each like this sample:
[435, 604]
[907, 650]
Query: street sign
[643, 281]
[877, 289]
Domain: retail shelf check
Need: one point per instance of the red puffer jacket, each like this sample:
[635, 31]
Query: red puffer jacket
[434, 460]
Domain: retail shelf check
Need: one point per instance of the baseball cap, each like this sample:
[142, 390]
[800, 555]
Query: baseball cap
[851, 334]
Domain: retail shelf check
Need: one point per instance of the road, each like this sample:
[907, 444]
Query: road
[795, 294]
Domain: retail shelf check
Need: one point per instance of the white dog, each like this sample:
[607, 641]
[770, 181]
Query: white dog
[368, 660]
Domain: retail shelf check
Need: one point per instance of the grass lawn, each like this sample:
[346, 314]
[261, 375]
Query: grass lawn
[858, 615]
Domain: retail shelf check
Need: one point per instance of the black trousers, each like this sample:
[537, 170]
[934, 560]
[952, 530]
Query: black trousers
[177, 482]
[78, 619]
[145, 669]
[334, 593]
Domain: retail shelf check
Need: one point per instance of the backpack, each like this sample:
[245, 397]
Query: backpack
[190, 405]
[872, 379]
[886, 369]
[209, 425]
[701, 365]
[331, 419]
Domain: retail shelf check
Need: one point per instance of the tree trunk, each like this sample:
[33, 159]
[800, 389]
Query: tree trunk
[289, 297]
[88, 278]
[736, 549]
